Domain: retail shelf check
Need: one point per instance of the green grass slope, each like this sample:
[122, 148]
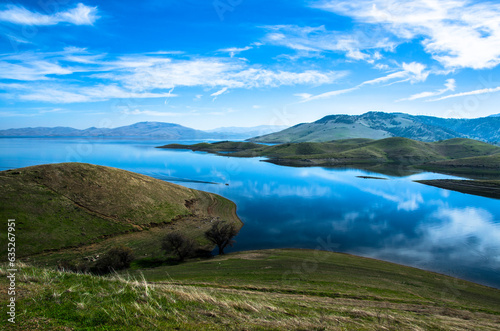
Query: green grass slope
[459, 155]
[71, 205]
[257, 290]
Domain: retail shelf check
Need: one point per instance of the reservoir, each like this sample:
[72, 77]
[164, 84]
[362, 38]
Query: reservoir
[392, 219]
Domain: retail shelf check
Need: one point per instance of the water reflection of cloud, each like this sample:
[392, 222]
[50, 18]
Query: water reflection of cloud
[408, 201]
[466, 238]
[366, 219]
[473, 227]
[346, 223]
[253, 189]
[388, 190]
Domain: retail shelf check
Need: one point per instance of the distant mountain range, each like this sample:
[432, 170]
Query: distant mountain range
[379, 125]
[168, 131]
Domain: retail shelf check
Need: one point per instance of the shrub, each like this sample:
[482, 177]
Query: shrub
[117, 258]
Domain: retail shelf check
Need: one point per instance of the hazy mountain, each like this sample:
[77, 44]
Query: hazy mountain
[168, 131]
[378, 125]
[142, 129]
[149, 129]
[41, 131]
[250, 131]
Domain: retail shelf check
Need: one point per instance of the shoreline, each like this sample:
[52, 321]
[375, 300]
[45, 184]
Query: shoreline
[488, 189]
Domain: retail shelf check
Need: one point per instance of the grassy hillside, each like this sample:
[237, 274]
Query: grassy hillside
[71, 208]
[461, 156]
[258, 290]
[478, 166]
[372, 125]
[379, 125]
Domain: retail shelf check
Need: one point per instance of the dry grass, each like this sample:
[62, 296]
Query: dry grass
[121, 302]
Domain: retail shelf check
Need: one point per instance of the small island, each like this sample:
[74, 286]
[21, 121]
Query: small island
[391, 156]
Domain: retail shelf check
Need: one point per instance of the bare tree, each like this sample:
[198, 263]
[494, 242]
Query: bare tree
[221, 234]
[178, 244]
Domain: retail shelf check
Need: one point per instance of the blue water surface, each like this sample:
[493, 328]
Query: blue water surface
[395, 220]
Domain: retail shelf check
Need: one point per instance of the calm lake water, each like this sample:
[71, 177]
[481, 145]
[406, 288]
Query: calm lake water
[395, 220]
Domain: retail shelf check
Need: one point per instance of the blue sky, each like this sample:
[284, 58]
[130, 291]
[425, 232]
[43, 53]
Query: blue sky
[207, 64]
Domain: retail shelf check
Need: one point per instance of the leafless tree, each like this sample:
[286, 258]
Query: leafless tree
[178, 244]
[221, 234]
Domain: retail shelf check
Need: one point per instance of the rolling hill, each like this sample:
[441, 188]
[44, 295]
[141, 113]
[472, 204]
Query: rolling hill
[73, 208]
[279, 289]
[378, 125]
[393, 156]
[393, 150]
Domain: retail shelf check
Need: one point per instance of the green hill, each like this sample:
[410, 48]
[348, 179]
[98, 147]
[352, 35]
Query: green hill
[379, 125]
[71, 209]
[255, 290]
[459, 155]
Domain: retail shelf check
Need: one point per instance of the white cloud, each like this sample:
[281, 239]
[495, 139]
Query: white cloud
[138, 76]
[34, 66]
[464, 94]
[318, 39]
[307, 97]
[154, 113]
[31, 71]
[80, 15]
[457, 33]
[216, 94]
[411, 72]
[303, 95]
[17, 39]
[449, 86]
[381, 66]
[234, 50]
[57, 93]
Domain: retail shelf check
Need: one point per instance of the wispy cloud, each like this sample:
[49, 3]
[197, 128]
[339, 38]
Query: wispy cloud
[97, 77]
[147, 73]
[410, 72]
[216, 94]
[33, 71]
[464, 94]
[413, 72]
[457, 33]
[63, 93]
[155, 113]
[234, 50]
[304, 39]
[80, 15]
[308, 97]
[449, 86]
